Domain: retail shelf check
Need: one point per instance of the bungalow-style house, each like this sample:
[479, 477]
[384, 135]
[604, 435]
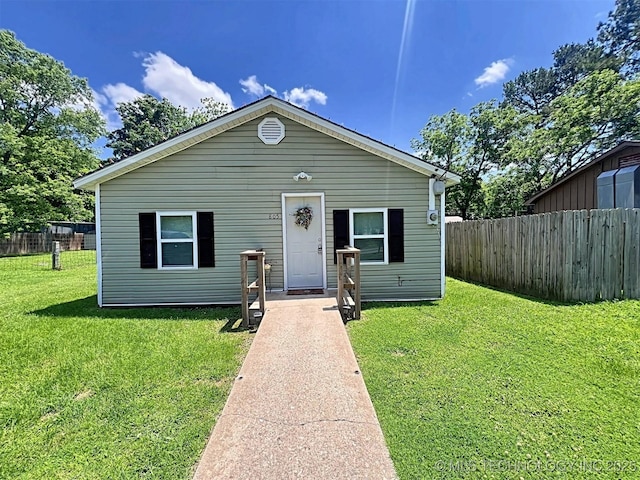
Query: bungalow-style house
[172, 220]
[579, 189]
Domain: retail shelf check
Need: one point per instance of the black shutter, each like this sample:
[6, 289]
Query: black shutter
[395, 219]
[148, 246]
[340, 231]
[206, 253]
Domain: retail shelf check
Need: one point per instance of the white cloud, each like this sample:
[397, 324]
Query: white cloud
[163, 77]
[494, 72]
[298, 96]
[99, 103]
[99, 99]
[108, 99]
[118, 93]
[103, 105]
[251, 86]
[302, 97]
[167, 78]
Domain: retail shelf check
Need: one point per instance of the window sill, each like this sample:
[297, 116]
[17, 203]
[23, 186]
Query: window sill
[171, 269]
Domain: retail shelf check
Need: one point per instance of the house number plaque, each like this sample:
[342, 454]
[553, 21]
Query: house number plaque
[275, 216]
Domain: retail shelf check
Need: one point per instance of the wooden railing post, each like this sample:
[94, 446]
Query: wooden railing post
[245, 291]
[349, 297]
[340, 280]
[257, 285]
[356, 282]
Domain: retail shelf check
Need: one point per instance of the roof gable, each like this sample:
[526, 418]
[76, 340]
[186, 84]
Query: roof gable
[249, 112]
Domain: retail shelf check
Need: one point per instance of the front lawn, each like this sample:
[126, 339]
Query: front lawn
[486, 384]
[90, 393]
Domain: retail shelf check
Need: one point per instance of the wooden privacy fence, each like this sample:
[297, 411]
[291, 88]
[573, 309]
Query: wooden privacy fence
[569, 256]
[28, 243]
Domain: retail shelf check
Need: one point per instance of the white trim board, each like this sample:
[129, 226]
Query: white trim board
[171, 304]
[238, 117]
[425, 299]
[216, 304]
[98, 245]
[443, 228]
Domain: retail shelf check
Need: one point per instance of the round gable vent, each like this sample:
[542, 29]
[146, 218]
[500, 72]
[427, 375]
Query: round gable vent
[271, 131]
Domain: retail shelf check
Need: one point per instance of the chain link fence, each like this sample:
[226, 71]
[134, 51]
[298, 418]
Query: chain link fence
[35, 251]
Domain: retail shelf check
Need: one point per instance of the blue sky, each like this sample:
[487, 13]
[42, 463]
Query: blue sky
[379, 67]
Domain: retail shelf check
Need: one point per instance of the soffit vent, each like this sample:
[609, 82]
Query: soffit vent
[271, 131]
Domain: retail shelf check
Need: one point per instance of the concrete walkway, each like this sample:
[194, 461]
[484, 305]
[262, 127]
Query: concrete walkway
[299, 407]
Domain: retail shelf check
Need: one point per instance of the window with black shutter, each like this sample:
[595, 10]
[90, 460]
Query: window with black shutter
[206, 251]
[395, 219]
[377, 232]
[148, 245]
[176, 240]
[340, 231]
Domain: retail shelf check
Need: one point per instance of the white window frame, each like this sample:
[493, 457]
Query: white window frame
[194, 240]
[385, 236]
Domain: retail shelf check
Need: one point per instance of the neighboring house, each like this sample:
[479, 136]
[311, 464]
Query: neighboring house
[578, 190]
[172, 220]
[70, 227]
[87, 241]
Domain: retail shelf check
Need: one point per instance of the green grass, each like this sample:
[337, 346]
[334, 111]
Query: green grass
[91, 393]
[486, 384]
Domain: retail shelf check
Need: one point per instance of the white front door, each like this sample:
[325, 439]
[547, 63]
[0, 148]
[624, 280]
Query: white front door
[304, 243]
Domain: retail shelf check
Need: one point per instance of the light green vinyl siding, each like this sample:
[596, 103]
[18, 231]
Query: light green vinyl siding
[241, 180]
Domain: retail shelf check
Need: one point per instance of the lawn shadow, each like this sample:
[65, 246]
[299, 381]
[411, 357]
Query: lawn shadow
[88, 308]
[230, 326]
[525, 296]
[421, 303]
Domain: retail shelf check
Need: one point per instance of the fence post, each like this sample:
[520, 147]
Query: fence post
[55, 255]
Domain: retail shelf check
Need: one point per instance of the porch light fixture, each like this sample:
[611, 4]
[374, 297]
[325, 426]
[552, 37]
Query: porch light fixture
[302, 176]
[438, 187]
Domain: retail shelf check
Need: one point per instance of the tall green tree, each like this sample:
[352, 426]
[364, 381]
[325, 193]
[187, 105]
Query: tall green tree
[531, 92]
[472, 146]
[505, 194]
[588, 118]
[210, 109]
[620, 35]
[575, 61]
[591, 117]
[147, 121]
[47, 126]
[550, 122]
[541, 154]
